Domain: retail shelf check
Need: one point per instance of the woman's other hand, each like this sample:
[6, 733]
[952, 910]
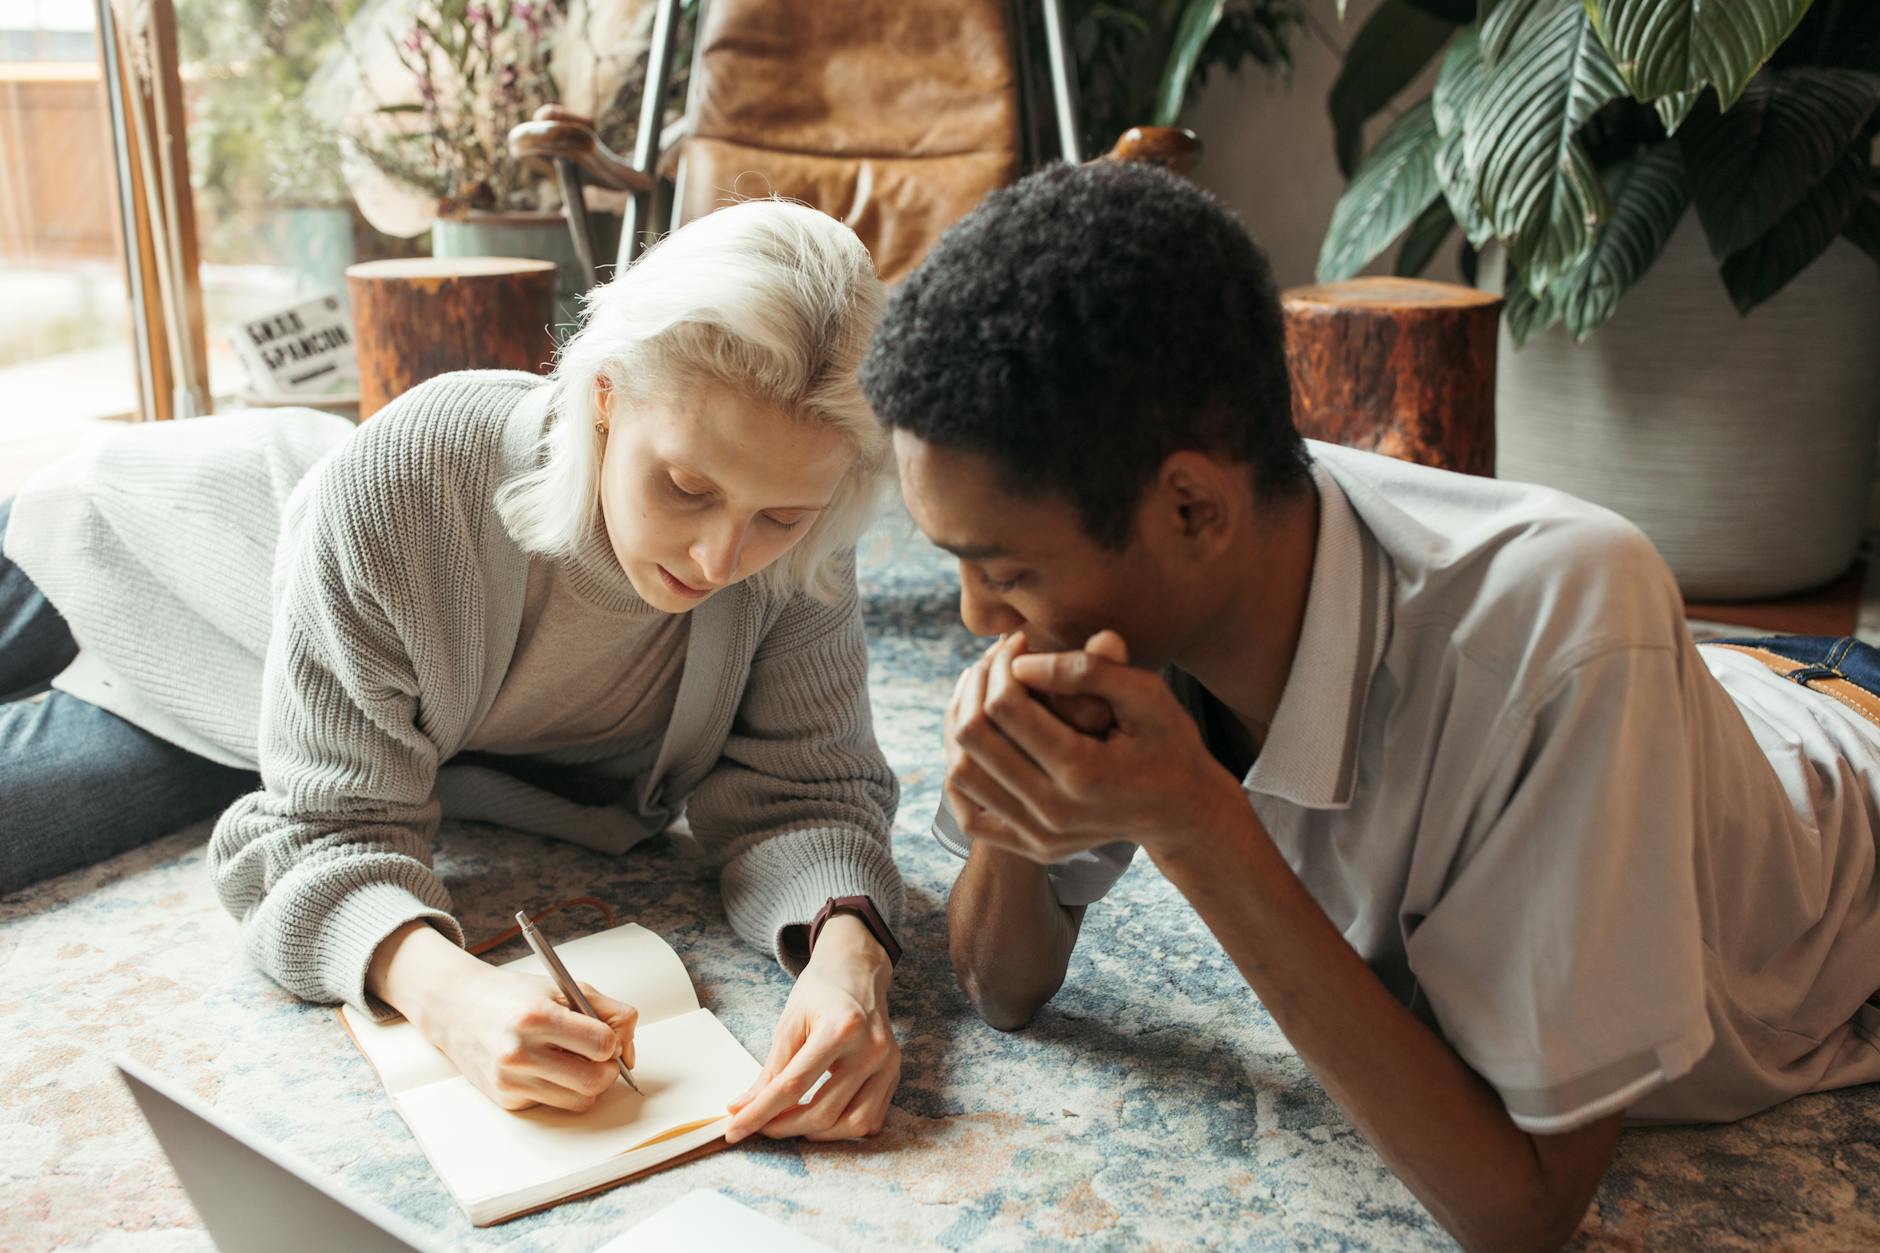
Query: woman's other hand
[836, 1020]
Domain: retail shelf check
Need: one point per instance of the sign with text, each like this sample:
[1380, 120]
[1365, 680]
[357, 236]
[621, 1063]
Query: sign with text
[305, 350]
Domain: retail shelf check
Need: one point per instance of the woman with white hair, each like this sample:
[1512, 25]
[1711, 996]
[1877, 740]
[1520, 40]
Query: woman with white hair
[574, 607]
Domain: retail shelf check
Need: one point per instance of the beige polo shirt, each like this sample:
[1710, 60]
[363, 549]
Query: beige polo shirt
[1614, 870]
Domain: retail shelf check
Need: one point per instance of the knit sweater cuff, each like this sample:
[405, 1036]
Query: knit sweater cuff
[784, 880]
[354, 927]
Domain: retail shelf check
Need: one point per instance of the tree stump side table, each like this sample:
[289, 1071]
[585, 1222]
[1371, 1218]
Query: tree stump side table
[419, 317]
[1403, 367]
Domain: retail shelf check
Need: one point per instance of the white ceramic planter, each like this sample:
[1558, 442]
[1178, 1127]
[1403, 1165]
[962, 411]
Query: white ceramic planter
[1744, 447]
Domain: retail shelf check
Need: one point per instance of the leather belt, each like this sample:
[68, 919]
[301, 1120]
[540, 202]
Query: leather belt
[1832, 683]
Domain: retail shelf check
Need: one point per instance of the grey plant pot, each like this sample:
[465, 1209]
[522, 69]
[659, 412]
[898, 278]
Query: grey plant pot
[1744, 447]
[536, 237]
[319, 240]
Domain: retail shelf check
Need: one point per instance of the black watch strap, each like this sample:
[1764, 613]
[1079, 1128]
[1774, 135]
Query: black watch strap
[864, 908]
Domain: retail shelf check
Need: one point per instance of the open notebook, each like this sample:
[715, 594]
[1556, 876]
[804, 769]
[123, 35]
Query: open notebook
[500, 1164]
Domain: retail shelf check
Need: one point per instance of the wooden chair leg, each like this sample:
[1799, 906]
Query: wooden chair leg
[574, 208]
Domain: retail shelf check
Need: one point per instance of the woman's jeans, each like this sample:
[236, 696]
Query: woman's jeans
[77, 784]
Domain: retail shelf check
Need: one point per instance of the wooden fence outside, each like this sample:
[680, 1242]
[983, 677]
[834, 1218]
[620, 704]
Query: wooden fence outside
[58, 195]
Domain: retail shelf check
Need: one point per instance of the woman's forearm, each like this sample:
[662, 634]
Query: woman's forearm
[410, 966]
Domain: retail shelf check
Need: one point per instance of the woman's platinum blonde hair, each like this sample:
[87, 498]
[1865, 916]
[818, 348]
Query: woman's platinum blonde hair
[775, 301]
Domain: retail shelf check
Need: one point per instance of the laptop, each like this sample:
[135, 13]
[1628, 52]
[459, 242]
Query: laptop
[253, 1196]
[260, 1198]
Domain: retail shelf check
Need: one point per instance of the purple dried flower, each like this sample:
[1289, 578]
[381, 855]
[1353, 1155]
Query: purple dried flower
[415, 40]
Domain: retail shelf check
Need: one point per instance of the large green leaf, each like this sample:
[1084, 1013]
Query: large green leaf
[1528, 315]
[1458, 81]
[1457, 84]
[1753, 164]
[1396, 183]
[1198, 20]
[1803, 233]
[1498, 26]
[1648, 199]
[1663, 47]
[1672, 110]
[1388, 52]
[1539, 190]
[1424, 239]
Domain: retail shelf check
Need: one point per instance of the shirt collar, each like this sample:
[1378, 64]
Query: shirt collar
[1310, 756]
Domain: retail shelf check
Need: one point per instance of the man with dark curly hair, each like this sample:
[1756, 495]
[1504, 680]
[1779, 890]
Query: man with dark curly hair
[1507, 857]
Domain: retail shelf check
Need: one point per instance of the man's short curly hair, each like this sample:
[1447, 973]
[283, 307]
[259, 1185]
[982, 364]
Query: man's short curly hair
[1082, 325]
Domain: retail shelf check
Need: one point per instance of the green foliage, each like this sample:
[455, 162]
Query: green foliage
[1757, 162]
[1194, 27]
[1758, 270]
[1665, 47]
[1648, 201]
[1458, 83]
[1424, 239]
[1526, 315]
[1137, 60]
[1575, 133]
[1388, 51]
[1394, 186]
[253, 139]
[1545, 75]
[479, 68]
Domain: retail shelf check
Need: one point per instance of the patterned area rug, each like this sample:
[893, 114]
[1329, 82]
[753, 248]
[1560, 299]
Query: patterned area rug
[1152, 1104]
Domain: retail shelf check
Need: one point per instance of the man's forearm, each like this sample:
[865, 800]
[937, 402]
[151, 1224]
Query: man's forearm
[1440, 1127]
[1010, 939]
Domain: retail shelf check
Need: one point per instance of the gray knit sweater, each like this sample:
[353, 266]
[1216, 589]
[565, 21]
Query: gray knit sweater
[394, 608]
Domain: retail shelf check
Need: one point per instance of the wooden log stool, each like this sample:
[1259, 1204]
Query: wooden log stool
[419, 317]
[1403, 367]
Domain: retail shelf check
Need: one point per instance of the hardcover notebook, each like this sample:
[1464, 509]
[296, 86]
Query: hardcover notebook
[499, 1163]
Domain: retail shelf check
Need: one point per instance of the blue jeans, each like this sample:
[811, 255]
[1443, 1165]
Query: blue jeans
[1822, 657]
[78, 784]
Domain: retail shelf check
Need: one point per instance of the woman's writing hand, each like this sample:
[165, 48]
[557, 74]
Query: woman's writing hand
[512, 1035]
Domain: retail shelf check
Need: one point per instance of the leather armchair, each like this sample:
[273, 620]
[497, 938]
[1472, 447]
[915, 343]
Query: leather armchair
[896, 116]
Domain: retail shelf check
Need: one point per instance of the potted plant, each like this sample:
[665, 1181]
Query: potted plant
[458, 78]
[1658, 168]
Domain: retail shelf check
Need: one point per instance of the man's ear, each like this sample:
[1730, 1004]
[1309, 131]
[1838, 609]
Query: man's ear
[1198, 501]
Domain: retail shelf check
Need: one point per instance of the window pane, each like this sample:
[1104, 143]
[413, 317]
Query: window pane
[275, 222]
[66, 354]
